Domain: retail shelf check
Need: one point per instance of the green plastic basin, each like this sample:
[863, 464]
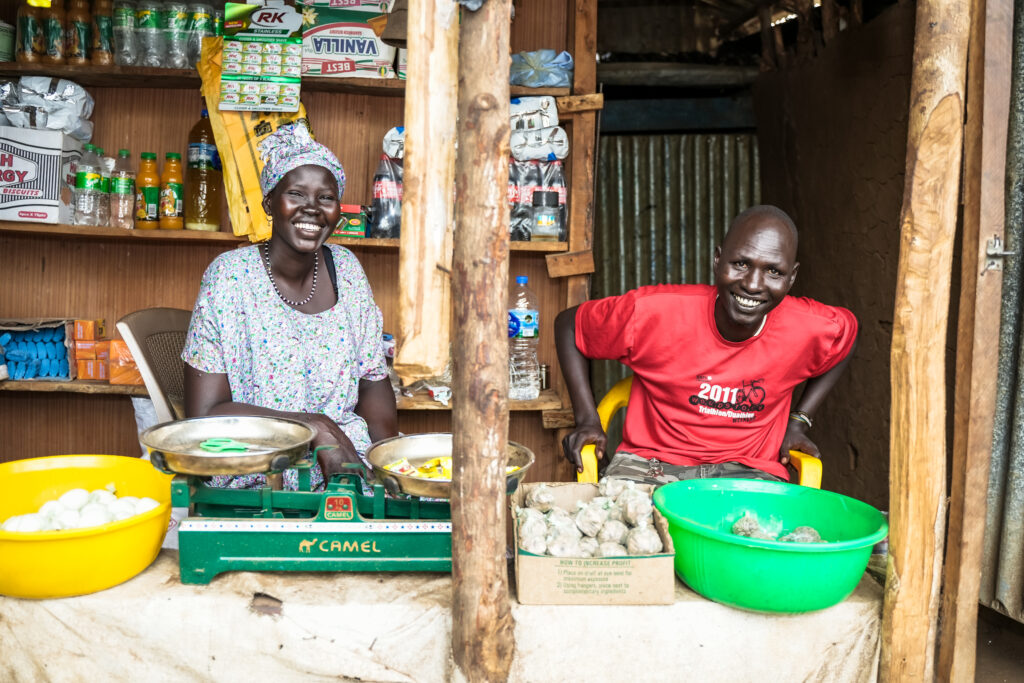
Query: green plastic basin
[768, 576]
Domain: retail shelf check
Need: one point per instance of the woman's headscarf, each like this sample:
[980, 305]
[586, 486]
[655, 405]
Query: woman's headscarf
[292, 146]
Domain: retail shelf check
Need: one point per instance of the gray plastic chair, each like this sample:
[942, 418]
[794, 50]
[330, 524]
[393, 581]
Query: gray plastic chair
[156, 336]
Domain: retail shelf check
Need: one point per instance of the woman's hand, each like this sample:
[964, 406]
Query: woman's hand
[335, 447]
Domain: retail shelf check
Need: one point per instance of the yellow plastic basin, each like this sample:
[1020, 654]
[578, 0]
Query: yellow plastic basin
[56, 564]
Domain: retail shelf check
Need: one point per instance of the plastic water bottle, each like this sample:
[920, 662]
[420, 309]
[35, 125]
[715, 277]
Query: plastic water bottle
[523, 326]
[125, 50]
[106, 169]
[176, 30]
[149, 33]
[88, 182]
[122, 192]
[200, 25]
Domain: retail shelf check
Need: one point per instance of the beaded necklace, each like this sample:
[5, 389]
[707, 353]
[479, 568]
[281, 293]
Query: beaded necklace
[270, 272]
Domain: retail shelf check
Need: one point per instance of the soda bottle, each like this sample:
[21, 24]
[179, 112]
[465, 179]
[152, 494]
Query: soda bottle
[88, 182]
[147, 193]
[102, 33]
[172, 196]
[106, 168]
[545, 217]
[77, 33]
[528, 177]
[30, 44]
[523, 326]
[149, 33]
[176, 30]
[386, 206]
[125, 50]
[200, 25]
[122, 192]
[53, 33]
[203, 181]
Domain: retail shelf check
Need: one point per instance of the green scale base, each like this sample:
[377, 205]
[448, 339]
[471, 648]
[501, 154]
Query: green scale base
[338, 529]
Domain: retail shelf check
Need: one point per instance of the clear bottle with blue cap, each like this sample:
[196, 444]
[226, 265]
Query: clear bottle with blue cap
[523, 333]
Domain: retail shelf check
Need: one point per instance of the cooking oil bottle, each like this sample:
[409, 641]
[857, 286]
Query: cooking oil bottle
[204, 183]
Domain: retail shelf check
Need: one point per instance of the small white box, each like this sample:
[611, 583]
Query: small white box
[231, 68]
[270, 88]
[251, 69]
[37, 175]
[271, 69]
[232, 45]
[292, 71]
[229, 98]
[250, 88]
[230, 86]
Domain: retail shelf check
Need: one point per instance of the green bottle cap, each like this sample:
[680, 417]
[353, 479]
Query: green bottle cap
[149, 156]
[123, 153]
[173, 155]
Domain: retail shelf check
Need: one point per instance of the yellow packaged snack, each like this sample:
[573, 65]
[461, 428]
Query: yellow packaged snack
[237, 135]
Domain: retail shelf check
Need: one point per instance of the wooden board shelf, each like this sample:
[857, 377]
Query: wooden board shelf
[149, 77]
[548, 399]
[209, 238]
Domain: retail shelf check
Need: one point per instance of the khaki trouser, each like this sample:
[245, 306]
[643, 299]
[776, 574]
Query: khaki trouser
[625, 465]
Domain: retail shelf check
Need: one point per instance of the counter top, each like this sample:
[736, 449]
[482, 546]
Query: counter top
[311, 626]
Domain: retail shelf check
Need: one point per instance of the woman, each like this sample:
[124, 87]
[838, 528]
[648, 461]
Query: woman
[270, 335]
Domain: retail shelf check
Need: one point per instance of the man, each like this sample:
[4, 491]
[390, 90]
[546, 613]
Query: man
[714, 368]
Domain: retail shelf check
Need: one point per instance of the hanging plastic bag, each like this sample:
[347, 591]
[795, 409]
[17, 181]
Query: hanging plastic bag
[541, 69]
[386, 208]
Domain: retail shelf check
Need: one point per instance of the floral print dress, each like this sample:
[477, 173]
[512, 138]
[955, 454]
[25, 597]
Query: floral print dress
[280, 358]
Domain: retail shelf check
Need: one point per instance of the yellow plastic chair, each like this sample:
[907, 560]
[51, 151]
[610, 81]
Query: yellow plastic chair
[808, 468]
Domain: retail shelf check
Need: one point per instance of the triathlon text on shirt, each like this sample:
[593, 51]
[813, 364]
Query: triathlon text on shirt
[741, 403]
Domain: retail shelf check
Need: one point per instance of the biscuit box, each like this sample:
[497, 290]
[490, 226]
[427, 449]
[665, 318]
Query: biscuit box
[628, 580]
[344, 43]
[37, 175]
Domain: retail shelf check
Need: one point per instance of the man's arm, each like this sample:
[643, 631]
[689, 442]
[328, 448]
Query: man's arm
[576, 371]
[815, 391]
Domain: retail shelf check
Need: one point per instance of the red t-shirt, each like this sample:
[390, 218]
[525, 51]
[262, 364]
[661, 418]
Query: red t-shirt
[698, 398]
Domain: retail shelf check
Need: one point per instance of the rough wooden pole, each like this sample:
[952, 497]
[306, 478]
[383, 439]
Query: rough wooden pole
[482, 626]
[917, 477]
[764, 14]
[425, 252]
[829, 20]
[988, 103]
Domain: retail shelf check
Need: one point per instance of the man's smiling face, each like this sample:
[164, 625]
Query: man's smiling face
[754, 270]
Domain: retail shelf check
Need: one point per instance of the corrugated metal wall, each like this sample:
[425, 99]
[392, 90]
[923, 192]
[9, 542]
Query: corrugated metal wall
[663, 204]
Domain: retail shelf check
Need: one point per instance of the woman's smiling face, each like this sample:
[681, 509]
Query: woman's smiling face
[304, 207]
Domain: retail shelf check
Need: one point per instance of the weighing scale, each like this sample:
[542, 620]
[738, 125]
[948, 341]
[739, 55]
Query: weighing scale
[355, 524]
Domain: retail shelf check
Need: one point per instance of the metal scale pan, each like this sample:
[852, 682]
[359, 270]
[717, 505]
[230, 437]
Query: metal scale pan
[273, 444]
[417, 449]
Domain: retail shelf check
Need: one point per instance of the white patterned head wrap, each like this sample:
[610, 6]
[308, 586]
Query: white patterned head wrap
[292, 146]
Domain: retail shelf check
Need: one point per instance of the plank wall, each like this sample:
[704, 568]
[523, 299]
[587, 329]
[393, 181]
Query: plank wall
[95, 278]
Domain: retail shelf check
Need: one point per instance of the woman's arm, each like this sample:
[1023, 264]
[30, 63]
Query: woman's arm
[209, 393]
[377, 406]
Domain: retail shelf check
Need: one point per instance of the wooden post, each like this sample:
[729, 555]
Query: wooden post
[804, 10]
[988, 100]
[482, 625]
[425, 250]
[764, 14]
[829, 20]
[917, 438]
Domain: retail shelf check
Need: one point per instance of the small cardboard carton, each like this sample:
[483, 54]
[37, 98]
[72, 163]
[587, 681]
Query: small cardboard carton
[632, 580]
[52, 335]
[344, 43]
[37, 174]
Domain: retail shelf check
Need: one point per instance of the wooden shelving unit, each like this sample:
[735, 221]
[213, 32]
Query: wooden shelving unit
[211, 238]
[548, 399]
[181, 79]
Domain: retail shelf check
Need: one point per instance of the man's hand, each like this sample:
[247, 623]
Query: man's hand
[339, 448]
[587, 433]
[796, 440]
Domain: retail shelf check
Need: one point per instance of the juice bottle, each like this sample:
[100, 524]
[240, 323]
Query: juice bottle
[172, 195]
[77, 32]
[102, 32]
[30, 44]
[203, 180]
[147, 193]
[53, 32]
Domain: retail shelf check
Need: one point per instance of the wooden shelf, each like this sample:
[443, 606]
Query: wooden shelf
[77, 386]
[149, 77]
[548, 399]
[200, 237]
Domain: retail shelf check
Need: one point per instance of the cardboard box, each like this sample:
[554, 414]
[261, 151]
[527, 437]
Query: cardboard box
[123, 369]
[88, 330]
[37, 175]
[344, 43]
[95, 370]
[56, 333]
[92, 350]
[352, 223]
[632, 580]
